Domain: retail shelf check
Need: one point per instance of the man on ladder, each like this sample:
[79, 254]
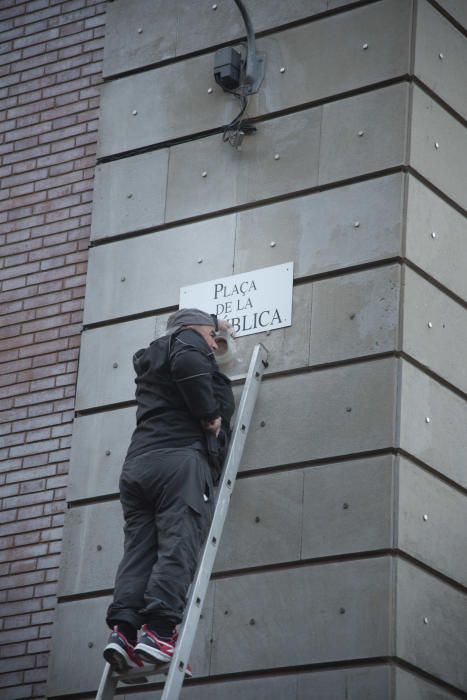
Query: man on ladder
[184, 408]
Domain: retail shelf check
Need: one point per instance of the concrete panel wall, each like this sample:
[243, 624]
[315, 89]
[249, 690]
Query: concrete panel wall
[356, 174]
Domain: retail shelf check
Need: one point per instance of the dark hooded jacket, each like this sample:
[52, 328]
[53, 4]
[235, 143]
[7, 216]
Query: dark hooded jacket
[178, 384]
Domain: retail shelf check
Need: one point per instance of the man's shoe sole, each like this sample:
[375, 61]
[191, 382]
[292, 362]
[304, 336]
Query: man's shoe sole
[148, 653]
[117, 658]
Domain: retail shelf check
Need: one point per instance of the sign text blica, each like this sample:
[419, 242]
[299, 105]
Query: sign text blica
[253, 302]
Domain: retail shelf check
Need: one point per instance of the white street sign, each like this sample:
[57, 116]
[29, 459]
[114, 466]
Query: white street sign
[253, 302]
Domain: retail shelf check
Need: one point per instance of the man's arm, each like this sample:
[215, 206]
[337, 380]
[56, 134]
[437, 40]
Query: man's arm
[191, 369]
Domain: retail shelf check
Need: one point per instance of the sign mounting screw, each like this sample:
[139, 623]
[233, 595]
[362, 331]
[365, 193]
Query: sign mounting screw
[427, 419]
[365, 46]
[134, 112]
[272, 244]
[209, 91]
[204, 173]
[433, 234]
[282, 69]
[425, 517]
[277, 157]
[140, 30]
[437, 145]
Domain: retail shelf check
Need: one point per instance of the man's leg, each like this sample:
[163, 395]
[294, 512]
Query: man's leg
[140, 552]
[183, 516]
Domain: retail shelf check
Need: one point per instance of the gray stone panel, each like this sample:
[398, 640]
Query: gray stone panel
[438, 147]
[432, 521]
[442, 256]
[411, 687]
[133, 275]
[369, 683]
[441, 443]
[348, 507]
[183, 26]
[98, 448]
[253, 173]
[355, 315]
[373, 683]
[277, 602]
[161, 105]
[348, 226]
[441, 57]
[441, 345]
[457, 9]
[126, 47]
[363, 134]
[264, 522]
[323, 414]
[92, 548]
[129, 194]
[106, 372]
[160, 96]
[327, 57]
[430, 625]
[81, 623]
[200, 27]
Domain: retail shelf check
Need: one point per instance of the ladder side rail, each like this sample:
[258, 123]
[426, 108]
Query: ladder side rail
[202, 577]
[107, 685]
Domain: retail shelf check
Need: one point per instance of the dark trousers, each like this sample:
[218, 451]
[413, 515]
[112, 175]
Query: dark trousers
[167, 500]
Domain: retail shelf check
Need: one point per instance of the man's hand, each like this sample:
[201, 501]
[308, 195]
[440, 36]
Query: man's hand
[212, 426]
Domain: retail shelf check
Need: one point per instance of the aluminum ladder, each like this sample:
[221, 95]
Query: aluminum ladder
[179, 662]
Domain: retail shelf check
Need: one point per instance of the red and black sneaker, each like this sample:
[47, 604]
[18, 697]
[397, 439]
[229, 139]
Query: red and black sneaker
[153, 648]
[120, 653]
[157, 650]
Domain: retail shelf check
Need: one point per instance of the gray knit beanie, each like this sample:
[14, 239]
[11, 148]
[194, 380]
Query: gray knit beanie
[189, 317]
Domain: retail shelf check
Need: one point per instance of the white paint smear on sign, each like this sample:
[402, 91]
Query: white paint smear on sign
[253, 302]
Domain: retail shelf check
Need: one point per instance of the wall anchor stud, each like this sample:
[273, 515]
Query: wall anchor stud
[345, 506]
[441, 56]
[129, 195]
[252, 621]
[277, 157]
[365, 46]
[429, 324]
[140, 30]
[436, 145]
[427, 419]
[361, 133]
[209, 91]
[204, 174]
[342, 611]
[134, 112]
[90, 645]
[257, 519]
[425, 620]
[108, 453]
[356, 224]
[115, 365]
[123, 278]
[272, 244]
[200, 260]
[99, 548]
[214, 7]
[282, 69]
[433, 234]
[425, 517]
[263, 423]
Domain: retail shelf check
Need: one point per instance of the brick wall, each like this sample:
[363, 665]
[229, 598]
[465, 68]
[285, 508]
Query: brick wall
[50, 70]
